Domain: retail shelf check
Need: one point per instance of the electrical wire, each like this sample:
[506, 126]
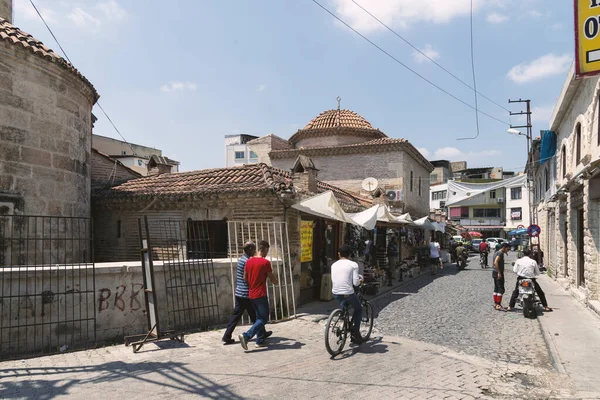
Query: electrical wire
[474, 80]
[70, 62]
[429, 58]
[404, 65]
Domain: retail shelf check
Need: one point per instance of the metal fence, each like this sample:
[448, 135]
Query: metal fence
[282, 299]
[183, 247]
[46, 285]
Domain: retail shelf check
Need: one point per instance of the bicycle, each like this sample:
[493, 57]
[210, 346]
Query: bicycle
[483, 259]
[339, 324]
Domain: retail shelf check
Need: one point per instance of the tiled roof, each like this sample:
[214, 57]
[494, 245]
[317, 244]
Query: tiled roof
[338, 118]
[11, 34]
[246, 178]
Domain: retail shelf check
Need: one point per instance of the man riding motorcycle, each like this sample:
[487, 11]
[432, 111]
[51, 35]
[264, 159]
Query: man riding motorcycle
[484, 251]
[462, 254]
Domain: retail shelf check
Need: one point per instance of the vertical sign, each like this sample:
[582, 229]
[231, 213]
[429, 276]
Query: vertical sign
[306, 241]
[587, 38]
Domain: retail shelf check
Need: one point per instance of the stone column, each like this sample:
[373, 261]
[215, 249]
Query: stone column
[6, 10]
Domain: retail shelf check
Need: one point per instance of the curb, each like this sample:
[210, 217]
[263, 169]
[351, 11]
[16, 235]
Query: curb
[552, 350]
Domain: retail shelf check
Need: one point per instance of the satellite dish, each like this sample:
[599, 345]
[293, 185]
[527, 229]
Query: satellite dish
[370, 184]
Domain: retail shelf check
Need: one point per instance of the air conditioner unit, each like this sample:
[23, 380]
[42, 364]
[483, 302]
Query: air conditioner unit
[500, 200]
[394, 195]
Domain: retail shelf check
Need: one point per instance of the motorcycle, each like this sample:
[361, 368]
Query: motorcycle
[462, 258]
[483, 259]
[527, 298]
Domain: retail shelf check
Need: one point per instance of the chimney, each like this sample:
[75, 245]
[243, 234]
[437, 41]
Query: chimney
[304, 175]
[6, 10]
[158, 165]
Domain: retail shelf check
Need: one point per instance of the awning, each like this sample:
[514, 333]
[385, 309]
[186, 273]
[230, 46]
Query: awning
[439, 226]
[483, 228]
[424, 223]
[520, 231]
[378, 213]
[324, 205]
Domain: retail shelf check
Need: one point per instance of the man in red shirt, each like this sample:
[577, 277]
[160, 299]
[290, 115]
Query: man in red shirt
[256, 272]
[484, 250]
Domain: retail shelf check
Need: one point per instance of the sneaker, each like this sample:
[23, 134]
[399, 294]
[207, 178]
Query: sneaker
[243, 341]
[268, 334]
[228, 341]
[260, 345]
[356, 340]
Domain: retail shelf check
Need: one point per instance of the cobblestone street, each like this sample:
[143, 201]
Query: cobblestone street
[438, 339]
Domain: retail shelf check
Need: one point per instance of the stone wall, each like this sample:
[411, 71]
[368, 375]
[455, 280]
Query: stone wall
[45, 134]
[391, 169]
[331, 141]
[6, 10]
[107, 172]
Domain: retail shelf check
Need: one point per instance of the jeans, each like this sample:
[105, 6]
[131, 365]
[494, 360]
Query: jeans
[393, 261]
[241, 304]
[353, 301]
[538, 290]
[434, 261]
[261, 307]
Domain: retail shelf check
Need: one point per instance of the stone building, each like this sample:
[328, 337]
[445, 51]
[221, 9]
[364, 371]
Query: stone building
[45, 127]
[568, 190]
[346, 149]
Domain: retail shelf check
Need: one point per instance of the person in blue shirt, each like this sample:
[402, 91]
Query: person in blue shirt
[242, 300]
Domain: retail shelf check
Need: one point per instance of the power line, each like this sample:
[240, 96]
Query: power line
[70, 62]
[431, 59]
[474, 80]
[404, 65]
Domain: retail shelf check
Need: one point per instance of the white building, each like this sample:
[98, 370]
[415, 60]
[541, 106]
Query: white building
[237, 151]
[438, 197]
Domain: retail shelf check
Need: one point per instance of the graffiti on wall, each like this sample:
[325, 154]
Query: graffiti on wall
[122, 298]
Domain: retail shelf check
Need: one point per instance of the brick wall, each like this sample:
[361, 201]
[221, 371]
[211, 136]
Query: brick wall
[331, 141]
[107, 172]
[45, 134]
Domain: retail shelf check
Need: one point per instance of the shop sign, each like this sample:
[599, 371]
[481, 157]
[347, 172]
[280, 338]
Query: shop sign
[306, 241]
[587, 38]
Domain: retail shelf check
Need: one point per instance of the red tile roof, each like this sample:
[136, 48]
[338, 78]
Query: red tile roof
[246, 178]
[13, 35]
[338, 118]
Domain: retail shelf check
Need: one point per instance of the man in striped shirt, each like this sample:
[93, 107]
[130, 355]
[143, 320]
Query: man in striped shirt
[242, 301]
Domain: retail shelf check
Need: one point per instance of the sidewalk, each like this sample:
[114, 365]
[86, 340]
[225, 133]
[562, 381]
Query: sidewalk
[572, 333]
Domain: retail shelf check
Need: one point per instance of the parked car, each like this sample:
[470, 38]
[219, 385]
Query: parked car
[475, 245]
[494, 241]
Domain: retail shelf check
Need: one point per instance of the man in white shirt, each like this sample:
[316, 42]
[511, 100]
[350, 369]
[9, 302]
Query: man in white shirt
[434, 256]
[527, 268]
[344, 276]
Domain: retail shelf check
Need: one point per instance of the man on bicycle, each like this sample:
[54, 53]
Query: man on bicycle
[344, 276]
[484, 251]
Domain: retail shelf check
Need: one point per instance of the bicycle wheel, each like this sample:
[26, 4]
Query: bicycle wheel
[366, 324]
[335, 333]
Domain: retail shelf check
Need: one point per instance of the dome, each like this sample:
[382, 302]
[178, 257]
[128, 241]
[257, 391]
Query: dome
[338, 118]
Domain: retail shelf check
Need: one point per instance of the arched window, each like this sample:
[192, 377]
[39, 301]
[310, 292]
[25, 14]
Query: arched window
[577, 144]
[563, 156]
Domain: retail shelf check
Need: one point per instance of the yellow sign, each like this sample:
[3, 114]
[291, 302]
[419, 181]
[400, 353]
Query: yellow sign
[587, 38]
[306, 241]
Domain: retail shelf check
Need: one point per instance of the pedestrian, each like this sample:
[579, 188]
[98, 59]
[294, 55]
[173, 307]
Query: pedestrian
[513, 243]
[498, 275]
[256, 272]
[434, 256]
[368, 245]
[242, 302]
[392, 254]
[527, 268]
[344, 276]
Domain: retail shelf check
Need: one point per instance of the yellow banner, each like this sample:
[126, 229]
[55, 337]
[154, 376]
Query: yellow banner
[587, 38]
[306, 241]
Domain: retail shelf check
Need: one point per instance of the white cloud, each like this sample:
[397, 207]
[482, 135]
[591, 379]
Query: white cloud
[83, 19]
[542, 114]
[24, 9]
[429, 51]
[112, 10]
[262, 88]
[535, 13]
[401, 13]
[497, 18]
[454, 154]
[177, 86]
[543, 67]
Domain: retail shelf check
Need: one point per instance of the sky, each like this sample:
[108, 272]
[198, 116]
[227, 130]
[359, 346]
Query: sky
[180, 75]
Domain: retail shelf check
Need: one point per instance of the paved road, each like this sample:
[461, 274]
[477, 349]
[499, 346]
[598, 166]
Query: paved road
[455, 310]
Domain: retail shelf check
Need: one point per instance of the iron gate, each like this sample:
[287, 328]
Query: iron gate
[46, 285]
[282, 299]
[182, 248]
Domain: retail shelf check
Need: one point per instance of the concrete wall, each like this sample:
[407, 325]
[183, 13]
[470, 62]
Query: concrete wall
[45, 134]
[118, 302]
[391, 169]
[116, 147]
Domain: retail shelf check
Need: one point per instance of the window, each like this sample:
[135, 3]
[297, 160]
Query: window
[411, 181]
[577, 144]
[486, 213]
[464, 212]
[439, 195]
[516, 213]
[442, 204]
[434, 178]
[123, 152]
[547, 179]
[492, 194]
[240, 155]
[563, 156]
[253, 155]
[419, 186]
[516, 193]
[118, 229]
